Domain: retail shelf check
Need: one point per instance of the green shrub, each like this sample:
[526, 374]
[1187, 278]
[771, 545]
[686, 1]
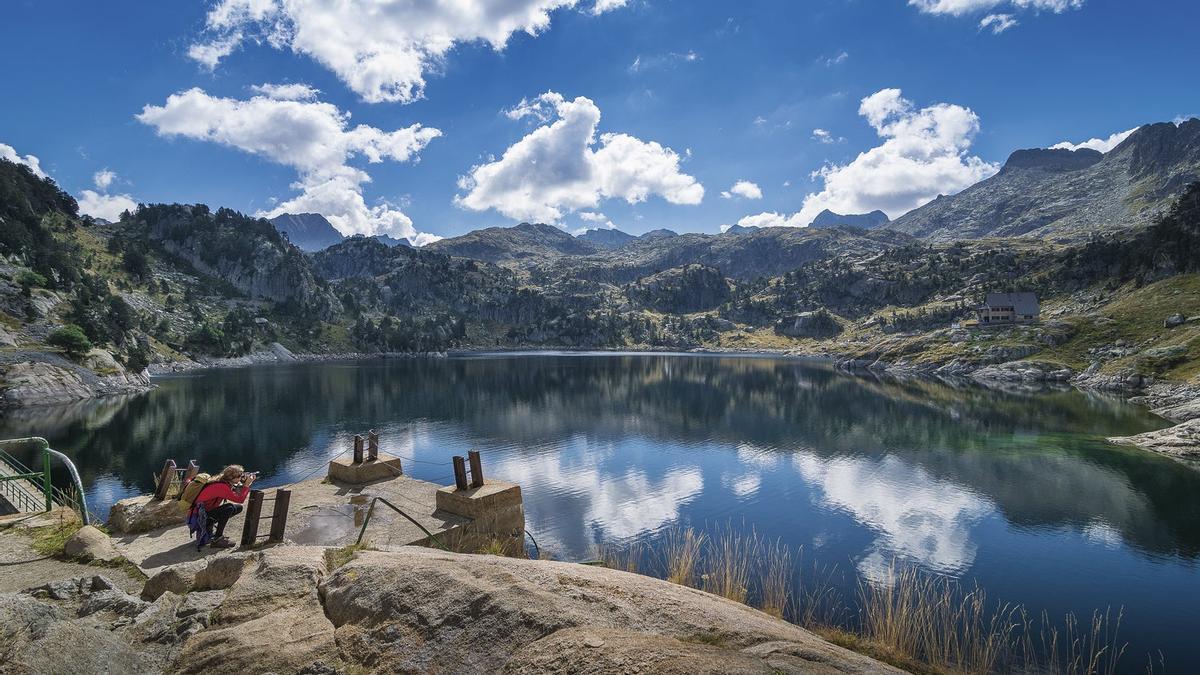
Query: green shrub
[70, 339]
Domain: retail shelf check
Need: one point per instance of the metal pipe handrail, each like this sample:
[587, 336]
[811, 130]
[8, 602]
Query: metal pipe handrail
[48, 489]
[371, 511]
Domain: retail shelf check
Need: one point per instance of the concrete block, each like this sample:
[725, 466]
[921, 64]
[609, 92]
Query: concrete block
[344, 470]
[496, 509]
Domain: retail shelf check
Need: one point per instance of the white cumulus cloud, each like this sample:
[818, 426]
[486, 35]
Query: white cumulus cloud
[108, 207]
[744, 189]
[10, 153]
[1000, 14]
[313, 137]
[1101, 144]
[964, 7]
[924, 153]
[997, 23]
[286, 92]
[562, 167]
[381, 49]
[104, 178]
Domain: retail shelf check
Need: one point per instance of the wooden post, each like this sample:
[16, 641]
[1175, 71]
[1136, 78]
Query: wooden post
[476, 468]
[253, 513]
[460, 473]
[279, 514]
[372, 445]
[164, 480]
[358, 449]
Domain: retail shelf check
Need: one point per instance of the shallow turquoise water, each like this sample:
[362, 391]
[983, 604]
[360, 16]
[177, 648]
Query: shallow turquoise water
[1016, 491]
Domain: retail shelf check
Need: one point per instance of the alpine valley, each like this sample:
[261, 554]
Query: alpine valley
[1109, 242]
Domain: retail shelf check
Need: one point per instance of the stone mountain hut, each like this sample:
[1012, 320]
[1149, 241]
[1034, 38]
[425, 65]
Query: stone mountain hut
[1009, 308]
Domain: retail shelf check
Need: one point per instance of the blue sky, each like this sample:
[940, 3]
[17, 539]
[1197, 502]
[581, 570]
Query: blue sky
[721, 92]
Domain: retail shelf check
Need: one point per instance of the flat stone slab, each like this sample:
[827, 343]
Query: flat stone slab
[322, 512]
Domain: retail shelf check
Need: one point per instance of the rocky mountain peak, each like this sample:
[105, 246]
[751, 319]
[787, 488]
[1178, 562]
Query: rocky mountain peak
[660, 233]
[607, 238]
[542, 230]
[741, 229]
[1155, 148]
[307, 231]
[1059, 159]
[866, 221]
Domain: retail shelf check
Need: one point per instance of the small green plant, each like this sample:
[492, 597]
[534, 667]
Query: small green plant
[493, 547]
[338, 557]
[28, 280]
[72, 340]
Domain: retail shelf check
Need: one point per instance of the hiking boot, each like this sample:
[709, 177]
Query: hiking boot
[221, 542]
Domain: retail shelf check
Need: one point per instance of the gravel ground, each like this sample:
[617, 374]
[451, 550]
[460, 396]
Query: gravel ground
[22, 567]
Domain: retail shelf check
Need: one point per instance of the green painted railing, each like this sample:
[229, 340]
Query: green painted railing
[16, 479]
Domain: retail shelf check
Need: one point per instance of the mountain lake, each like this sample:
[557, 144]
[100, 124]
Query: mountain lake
[1015, 491]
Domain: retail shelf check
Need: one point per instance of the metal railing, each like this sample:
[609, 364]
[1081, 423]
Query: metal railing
[31, 491]
[371, 511]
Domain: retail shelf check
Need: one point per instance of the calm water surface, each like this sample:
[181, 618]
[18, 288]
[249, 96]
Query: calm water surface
[1016, 491]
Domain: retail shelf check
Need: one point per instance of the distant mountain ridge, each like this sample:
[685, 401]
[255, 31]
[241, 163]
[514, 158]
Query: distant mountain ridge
[508, 244]
[607, 238]
[308, 231]
[866, 221]
[1069, 195]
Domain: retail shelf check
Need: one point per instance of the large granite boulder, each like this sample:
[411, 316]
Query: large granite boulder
[608, 650]
[90, 543]
[416, 609]
[270, 620]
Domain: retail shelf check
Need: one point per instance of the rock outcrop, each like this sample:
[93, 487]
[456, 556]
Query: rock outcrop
[1181, 440]
[466, 614]
[282, 610]
[40, 378]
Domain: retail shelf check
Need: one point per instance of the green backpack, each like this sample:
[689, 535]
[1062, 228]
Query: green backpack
[192, 490]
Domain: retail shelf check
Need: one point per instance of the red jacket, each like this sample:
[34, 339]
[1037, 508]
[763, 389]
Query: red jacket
[213, 494]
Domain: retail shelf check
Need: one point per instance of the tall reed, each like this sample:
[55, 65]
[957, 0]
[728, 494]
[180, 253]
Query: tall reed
[775, 580]
[908, 617]
[681, 551]
[729, 562]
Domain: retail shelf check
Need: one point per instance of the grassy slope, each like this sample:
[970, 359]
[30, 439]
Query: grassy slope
[1133, 315]
[1136, 316]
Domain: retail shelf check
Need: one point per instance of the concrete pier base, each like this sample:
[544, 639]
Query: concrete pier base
[344, 470]
[496, 512]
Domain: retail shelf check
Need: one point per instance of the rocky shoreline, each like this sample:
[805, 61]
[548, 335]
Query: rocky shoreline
[1177, 402]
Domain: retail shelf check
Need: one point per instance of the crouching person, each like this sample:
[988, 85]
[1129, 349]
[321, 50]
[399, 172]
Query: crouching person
[218, 501]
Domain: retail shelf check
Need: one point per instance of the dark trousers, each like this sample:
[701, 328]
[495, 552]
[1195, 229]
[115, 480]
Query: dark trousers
[221, 515]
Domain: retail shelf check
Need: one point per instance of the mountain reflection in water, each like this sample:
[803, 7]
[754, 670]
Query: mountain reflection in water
[1007, 488]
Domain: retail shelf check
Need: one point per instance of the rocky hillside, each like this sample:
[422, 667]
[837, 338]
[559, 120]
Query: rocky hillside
[247, 253]
[1060, 194]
